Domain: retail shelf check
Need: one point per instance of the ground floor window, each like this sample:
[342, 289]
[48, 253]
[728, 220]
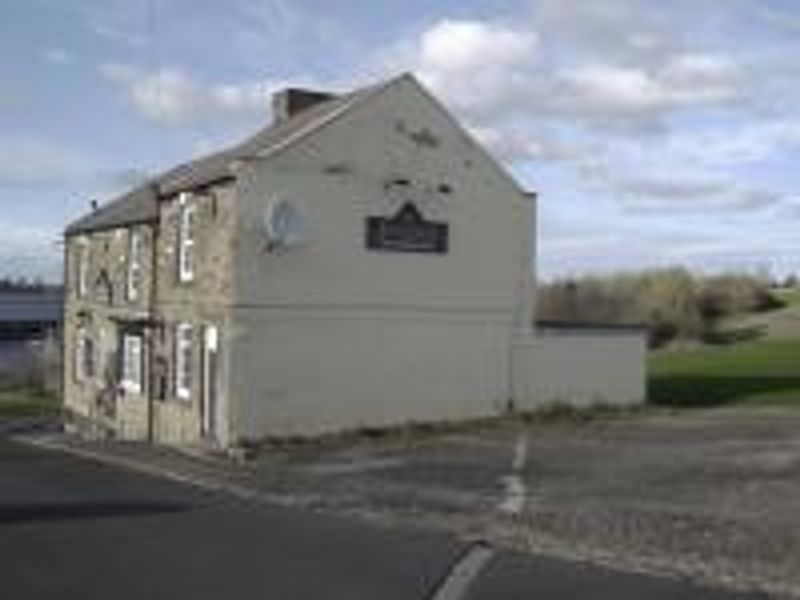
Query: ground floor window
[84, 355]
[184, 353]
[132, 360]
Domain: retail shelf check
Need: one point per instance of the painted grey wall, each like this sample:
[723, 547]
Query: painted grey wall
[331, 335]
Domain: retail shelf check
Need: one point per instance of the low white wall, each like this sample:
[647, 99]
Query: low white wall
[304, 372]
[579, 367]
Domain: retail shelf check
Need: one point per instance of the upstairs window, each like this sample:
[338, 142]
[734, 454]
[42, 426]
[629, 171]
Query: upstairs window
[184, 341]
[134, 274]
[186, 241]
[132, 360]
[82, 258]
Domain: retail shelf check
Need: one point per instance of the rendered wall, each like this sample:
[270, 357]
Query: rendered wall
[320, 372]
[579, 368]
[331, 335]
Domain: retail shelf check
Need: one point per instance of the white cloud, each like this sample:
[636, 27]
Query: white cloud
[57, 56]
[170, 96]
[514, 146]
[490, 70]
[29, 251]
[479, 67]
[119, 35]
[461, 47]
[670, 195]
[612, 91]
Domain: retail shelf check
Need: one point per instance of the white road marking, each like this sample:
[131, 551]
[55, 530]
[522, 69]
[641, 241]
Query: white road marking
[464, 573]
[520, 454]
[514, 498]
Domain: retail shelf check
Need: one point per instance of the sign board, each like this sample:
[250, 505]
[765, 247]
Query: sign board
[407, 231]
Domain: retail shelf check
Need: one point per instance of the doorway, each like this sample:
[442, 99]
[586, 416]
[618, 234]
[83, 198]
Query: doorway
[210, 405]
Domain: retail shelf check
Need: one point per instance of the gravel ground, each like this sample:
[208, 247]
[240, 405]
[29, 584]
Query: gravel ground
[710, 495]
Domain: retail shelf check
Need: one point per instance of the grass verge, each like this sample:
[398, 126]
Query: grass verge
[23, 402]
[760, 372]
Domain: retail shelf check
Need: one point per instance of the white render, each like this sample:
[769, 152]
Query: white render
[330, 336]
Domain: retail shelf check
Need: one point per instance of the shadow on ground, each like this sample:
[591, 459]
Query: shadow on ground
[732, 336]
[31, 512]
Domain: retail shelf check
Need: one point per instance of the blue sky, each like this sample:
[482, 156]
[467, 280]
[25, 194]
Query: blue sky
[656, 133]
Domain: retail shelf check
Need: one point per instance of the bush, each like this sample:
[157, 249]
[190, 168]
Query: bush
[672, 303]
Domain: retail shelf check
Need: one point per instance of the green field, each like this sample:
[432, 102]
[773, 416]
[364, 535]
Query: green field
[759, 363]
[27, 403]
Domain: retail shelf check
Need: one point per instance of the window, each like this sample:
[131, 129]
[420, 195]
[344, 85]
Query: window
[82, 267]
[134, 274]
[84, 355]
[186, 235]
[184, 335]
[132, 360]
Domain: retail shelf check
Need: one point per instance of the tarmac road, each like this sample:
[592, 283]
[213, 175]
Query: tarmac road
[75, 528]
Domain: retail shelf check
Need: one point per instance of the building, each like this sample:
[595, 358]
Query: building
[28, 314]
[30, 327]
[361, 261]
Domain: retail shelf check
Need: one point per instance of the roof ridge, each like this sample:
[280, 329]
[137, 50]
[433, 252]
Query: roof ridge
[140, 204]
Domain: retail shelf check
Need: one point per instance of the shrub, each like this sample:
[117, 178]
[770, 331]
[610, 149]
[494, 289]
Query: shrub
[672, 303]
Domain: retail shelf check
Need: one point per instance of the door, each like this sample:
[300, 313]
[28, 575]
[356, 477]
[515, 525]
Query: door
[211, 383]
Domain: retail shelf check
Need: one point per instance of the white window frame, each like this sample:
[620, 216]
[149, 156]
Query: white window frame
[80, 355]
[132, 363]
[186, 240]
[184, 360]
[82, 259]
[133, 278]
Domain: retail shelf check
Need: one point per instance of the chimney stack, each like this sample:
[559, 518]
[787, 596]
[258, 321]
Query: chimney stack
[288, 102]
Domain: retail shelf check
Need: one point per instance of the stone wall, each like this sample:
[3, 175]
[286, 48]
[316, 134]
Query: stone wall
[99, 313]
[204, 301]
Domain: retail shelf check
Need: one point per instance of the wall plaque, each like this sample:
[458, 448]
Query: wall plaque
[407, 231]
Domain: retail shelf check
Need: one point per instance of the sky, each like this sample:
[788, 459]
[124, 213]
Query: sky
[655, 133]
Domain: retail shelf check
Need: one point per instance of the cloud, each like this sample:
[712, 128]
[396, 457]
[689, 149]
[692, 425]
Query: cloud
[29, 251]
[171, 96]
[57, 56]
[609, 91]
[31, 161]
[492, 69]
[783, 19]
[513, 146]
[477, 66]
[691, 195]
[119, 35]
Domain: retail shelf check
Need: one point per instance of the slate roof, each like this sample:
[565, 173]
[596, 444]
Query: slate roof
[140, 205]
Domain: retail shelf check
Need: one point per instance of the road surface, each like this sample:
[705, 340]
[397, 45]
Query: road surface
[75, 528]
